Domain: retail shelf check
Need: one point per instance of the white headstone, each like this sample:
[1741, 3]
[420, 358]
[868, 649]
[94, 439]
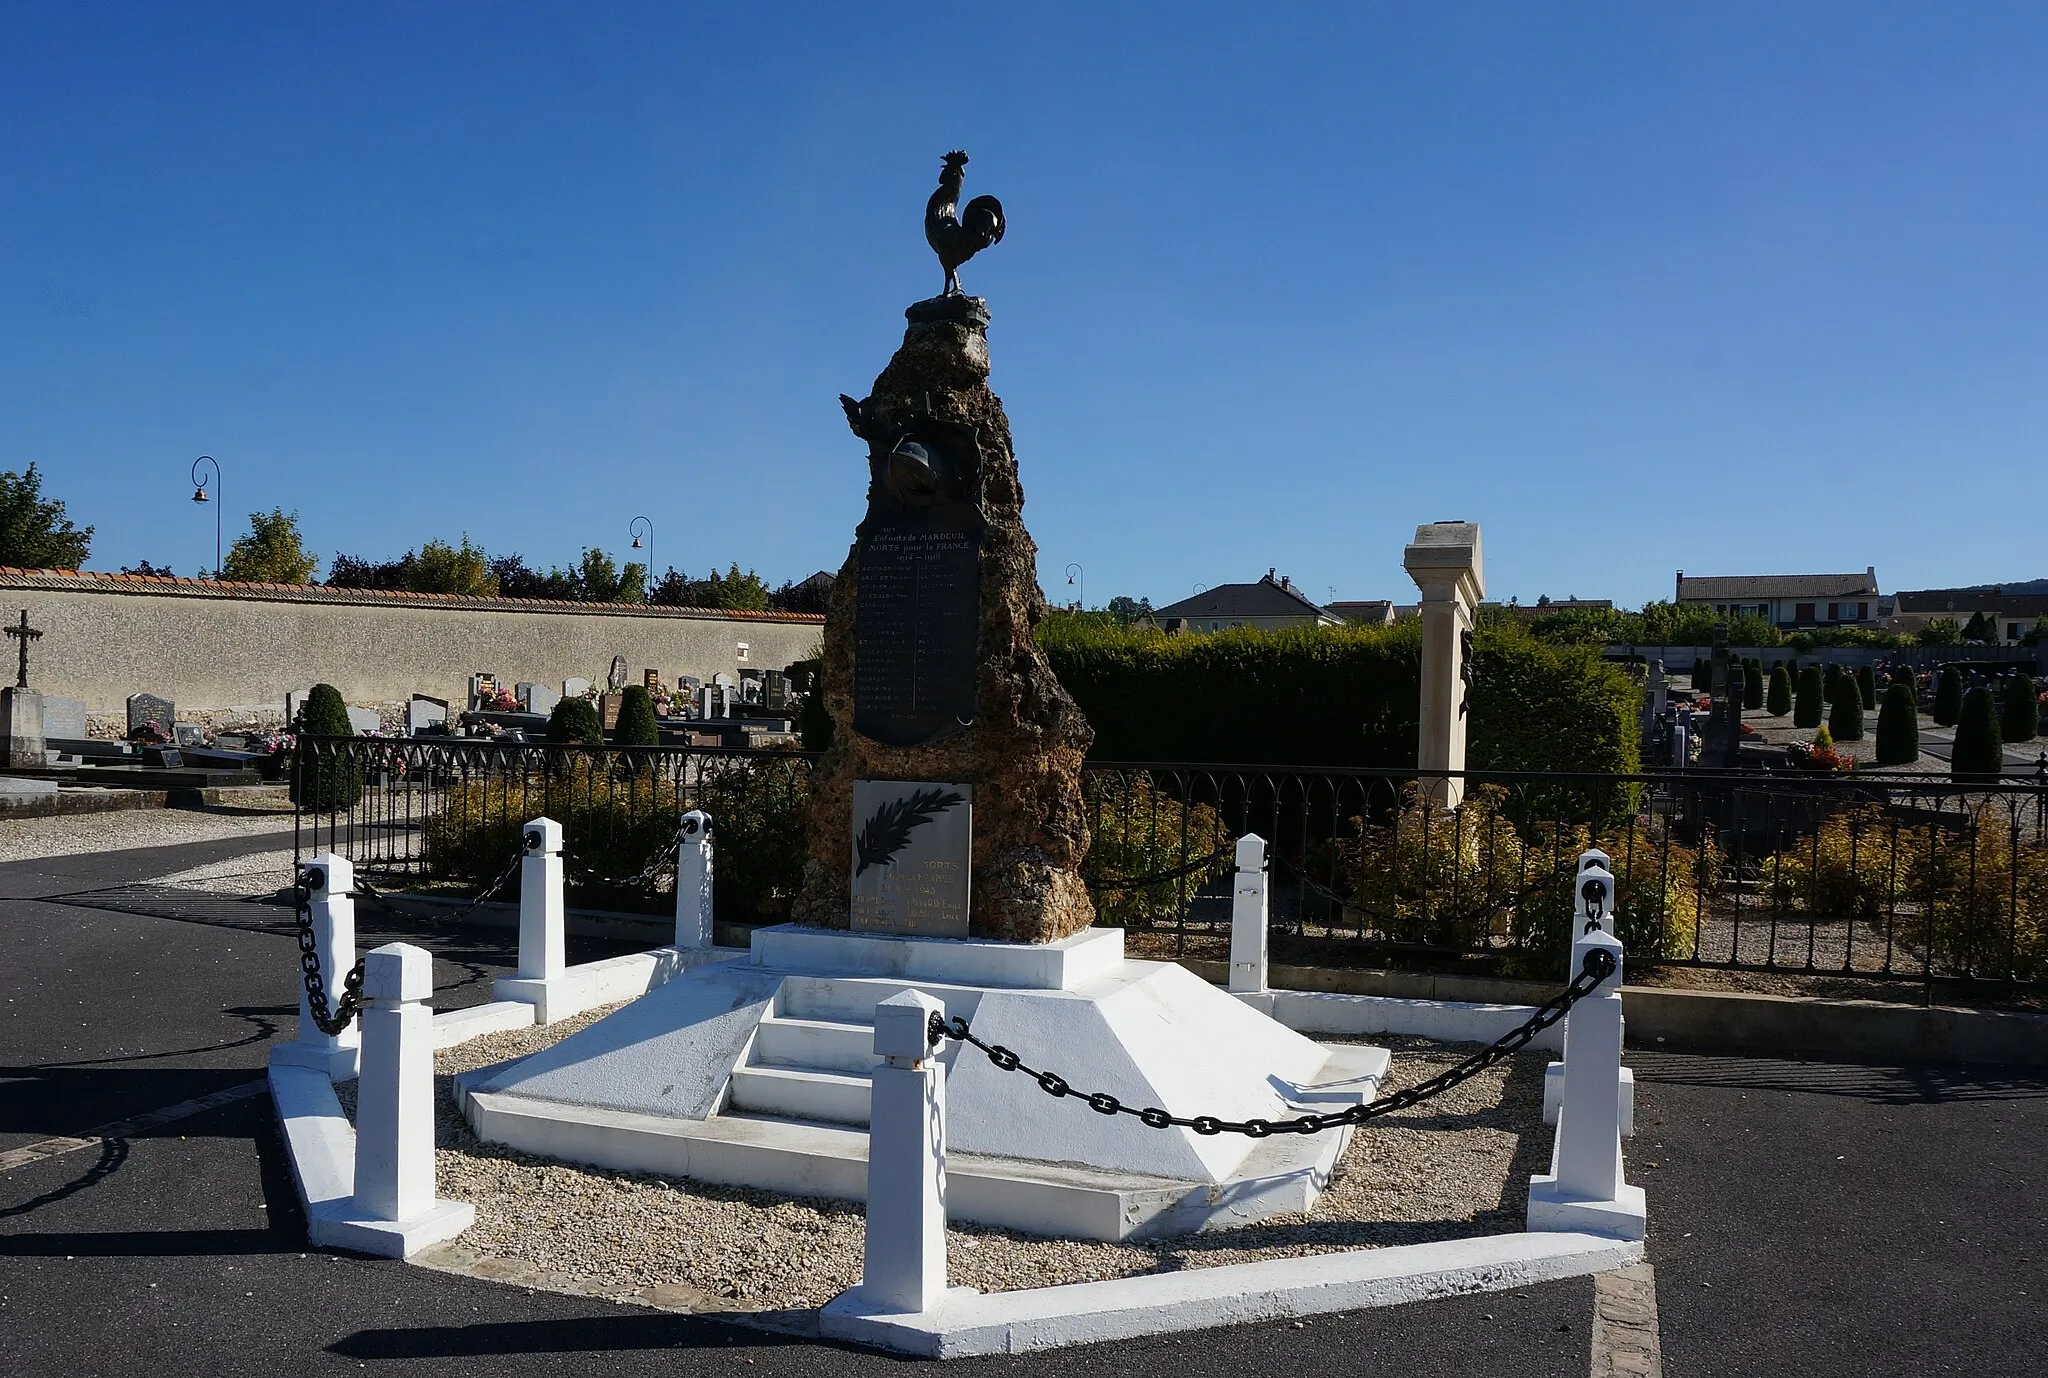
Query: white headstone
[575, 687]
[424, 712]
[538, 698]
[362, 720]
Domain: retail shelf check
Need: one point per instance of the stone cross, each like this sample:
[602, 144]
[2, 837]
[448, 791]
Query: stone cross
[24, 634]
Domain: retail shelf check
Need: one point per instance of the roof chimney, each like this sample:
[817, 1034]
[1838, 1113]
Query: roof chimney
[1269, 574]
[1678, 589]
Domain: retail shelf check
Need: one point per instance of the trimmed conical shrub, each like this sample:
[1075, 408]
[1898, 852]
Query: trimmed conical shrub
[1898, 726]
[1778, 698]
[1702, 673]
[1831, 677]
[1979, 753]
[1845, 710]
[2020, 719]
[325, 776]
[1866, 684]
[575, 720]
[1948, 697]
[1753, 686]
[636, 718]
[1806, 710]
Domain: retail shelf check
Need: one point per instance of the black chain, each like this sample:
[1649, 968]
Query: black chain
[332, 1022]
[1599, 965]
[664, 859]
[1140, 882]
[390, 906]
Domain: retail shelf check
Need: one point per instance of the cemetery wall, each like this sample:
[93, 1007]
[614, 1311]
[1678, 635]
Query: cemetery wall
[209, 646]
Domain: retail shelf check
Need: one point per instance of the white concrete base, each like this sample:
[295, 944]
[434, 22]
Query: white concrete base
[967, 1324]
[336, 1064]
[321, 1146]
[1553, 1097]
[1625, 1218]
[391, 1239]
[1452, 1021]
[453, 1027]
[586, 986]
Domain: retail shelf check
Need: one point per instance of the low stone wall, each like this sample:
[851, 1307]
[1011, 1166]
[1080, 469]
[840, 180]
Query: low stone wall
[232, 651]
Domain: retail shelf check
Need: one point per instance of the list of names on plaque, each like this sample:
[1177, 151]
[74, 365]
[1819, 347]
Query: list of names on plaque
[916, 626]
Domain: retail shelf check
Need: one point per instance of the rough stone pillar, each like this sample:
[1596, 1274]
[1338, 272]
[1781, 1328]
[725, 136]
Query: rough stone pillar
[932, 423]
[1444, 561]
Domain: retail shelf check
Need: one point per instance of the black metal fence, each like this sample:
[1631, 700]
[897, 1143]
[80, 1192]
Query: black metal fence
[1886, 876]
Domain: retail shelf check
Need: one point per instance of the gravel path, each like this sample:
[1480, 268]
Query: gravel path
[24, 839]
[1453, 1167]
[259, 873]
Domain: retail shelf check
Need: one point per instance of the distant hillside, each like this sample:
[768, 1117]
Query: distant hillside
[2031, 586]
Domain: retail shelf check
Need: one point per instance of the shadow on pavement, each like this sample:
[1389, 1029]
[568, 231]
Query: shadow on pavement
[1926, 1085]
[566, 1336]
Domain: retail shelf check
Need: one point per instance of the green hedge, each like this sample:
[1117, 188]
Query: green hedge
[333, 779]
[1338, 696]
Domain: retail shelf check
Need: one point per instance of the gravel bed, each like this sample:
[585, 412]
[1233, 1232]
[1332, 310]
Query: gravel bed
[260, 873]
[1456, 1166]
[24, 839]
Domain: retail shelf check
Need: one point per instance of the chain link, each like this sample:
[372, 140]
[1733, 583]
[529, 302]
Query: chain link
[390, 906]
[1599, 965]
[664, 859]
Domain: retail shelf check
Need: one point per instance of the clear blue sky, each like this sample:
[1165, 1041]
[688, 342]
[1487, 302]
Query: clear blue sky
[1736, 288]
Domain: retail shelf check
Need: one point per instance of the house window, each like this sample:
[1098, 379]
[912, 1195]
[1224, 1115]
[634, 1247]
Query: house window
[1721, 608]
[1802, 612]
[2012, 631]
[1863, 612]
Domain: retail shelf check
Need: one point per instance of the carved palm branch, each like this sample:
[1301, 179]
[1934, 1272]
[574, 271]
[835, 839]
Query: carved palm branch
[887, 831]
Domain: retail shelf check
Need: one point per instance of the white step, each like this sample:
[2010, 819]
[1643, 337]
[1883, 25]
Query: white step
[802, 1093]
[782, 1040]
[852, 999]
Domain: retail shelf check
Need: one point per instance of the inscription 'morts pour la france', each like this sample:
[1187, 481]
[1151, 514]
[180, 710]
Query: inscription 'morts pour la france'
[917, 619]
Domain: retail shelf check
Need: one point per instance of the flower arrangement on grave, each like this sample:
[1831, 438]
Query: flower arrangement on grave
[1820, 754]
[504, 702]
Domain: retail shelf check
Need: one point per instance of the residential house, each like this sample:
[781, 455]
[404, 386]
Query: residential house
[1271, 604]
[1787, 601]
[2014, 614]
[1370, 612]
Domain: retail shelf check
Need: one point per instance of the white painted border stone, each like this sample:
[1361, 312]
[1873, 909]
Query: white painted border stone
[1062, 965]
[965, 1324]
[1248, 918]
[693, 881]
[332, 909]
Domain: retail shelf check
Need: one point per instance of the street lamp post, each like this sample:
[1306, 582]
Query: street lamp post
[646, 570]
[1076, 576]
[199, 495]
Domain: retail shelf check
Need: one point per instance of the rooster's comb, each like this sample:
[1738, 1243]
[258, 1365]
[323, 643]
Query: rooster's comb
[956, 159]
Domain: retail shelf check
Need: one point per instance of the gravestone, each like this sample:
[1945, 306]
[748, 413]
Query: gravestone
[575, 687]
[189, 734]
[64, 719]
[161, 714]
[912, 857]
[616, 680]
[608, 710]
[163, 757]
[295, 704]
[424, 712]
[365, 720]
[930, 672]
[537, 698]
[775, 692]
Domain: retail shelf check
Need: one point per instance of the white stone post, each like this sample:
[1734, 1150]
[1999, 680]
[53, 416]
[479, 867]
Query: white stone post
[1592, 901]
[394, 1211]
[693, 881]
[329, 879]
[1248, 917]
[904, 1269]
[542, 913]
[1584, 1189]
[1444, 561]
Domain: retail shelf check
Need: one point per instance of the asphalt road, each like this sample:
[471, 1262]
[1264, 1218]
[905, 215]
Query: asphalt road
[1805, 1218]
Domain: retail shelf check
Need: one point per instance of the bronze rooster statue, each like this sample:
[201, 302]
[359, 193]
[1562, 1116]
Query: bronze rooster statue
[957, 236]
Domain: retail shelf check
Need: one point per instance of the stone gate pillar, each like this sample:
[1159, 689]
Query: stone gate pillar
[1444, 562]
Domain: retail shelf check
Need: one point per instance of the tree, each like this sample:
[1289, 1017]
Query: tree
[1942, 631]
[326, 777]
[1702, 673]
[35, 534]
[354, 572]
[272, 552]
[1898, 726]
[443, 568]
[1845, 710]
[1778, 699]
[1831, 679]
[148, 570]
[1807, 710]
[1979, 753]
[1948, 696]
[1128, 609]
[1981, 628]
[637, 726]
[812, 595]
[1866, 685]
[732, 590]
[1753, 685]
[575, 720]
[2020, 719]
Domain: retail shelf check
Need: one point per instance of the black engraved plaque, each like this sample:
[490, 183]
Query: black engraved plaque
[917, 605]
